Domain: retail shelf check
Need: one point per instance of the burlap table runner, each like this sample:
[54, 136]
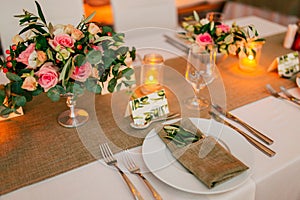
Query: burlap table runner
[34, 147]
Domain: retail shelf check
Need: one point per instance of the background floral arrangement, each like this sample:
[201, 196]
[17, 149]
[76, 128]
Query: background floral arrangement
[60, 59]
[229, 40]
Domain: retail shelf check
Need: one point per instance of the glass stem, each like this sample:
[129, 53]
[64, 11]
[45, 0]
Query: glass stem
[71, 104]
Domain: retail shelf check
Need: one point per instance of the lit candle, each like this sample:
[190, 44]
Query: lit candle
[151, 76]
[248, 63]
[151, 73]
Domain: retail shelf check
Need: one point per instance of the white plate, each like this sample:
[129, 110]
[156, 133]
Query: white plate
[162, 164]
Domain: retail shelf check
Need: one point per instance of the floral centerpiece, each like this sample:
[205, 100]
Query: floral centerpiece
[62, 59]
[232, 40]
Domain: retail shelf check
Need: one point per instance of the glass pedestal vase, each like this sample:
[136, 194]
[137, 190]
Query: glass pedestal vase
[74, 117]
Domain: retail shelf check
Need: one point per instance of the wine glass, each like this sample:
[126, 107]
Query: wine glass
[199, 73]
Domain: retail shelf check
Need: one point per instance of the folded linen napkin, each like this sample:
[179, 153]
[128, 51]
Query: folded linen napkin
[209, 161]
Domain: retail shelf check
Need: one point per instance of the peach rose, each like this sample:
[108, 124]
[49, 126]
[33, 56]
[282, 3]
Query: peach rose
[93, 29]
[29, 84]
[59, 29]
[232, 49]
[17, 39]
[77, 34]
[68, 29]
[42, 57]
[204, 39]
[48, 76]
[82, 73]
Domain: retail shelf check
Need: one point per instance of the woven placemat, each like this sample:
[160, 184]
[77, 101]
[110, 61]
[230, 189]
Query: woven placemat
[34, 146]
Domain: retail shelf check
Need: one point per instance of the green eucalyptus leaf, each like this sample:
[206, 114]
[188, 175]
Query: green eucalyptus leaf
[128, 83]
[103, 38]
[2, 96]
[13, 77]
[122, 50]
[79, 60]
[6, 111]
[53, 94]
[94, 57]
[92, 85]
[37, 91]
[133, 53]
[20, 100]
[115, 69]
[27, 95]
[118, 87]
[77, 88]
[112, 84]
[104, 76]
[119, 37]
[107, 29]
[128, 72]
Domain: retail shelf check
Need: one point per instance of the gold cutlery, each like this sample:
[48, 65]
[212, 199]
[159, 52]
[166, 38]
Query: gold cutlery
[277, 95]
[133, 168]
[251, 140]
[111, 160]
[255, 132]
[287, 94]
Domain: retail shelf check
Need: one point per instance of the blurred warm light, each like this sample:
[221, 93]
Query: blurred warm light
[103, 13]
[7, 139]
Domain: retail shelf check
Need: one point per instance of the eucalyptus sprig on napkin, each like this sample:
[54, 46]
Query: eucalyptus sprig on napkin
[202, 155]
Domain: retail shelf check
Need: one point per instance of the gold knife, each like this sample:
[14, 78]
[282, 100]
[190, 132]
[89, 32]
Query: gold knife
[255, 132]
[266, 150]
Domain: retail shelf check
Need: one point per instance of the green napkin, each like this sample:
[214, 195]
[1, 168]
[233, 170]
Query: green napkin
[209, 161]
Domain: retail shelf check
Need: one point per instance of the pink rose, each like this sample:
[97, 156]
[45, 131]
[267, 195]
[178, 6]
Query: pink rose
[63, 40]
[204, 39]
[48, 76]
[82, 73]
[24, 56]
[225, 28]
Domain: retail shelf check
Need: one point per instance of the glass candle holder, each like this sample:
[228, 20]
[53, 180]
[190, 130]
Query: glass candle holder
[249, 61]
[151, 73]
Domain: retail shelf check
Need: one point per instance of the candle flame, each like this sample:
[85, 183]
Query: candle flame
[250, 57]
[151, 78]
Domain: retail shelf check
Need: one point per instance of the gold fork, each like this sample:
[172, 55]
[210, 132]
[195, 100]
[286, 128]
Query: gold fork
[133, 168]
[111, 160]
